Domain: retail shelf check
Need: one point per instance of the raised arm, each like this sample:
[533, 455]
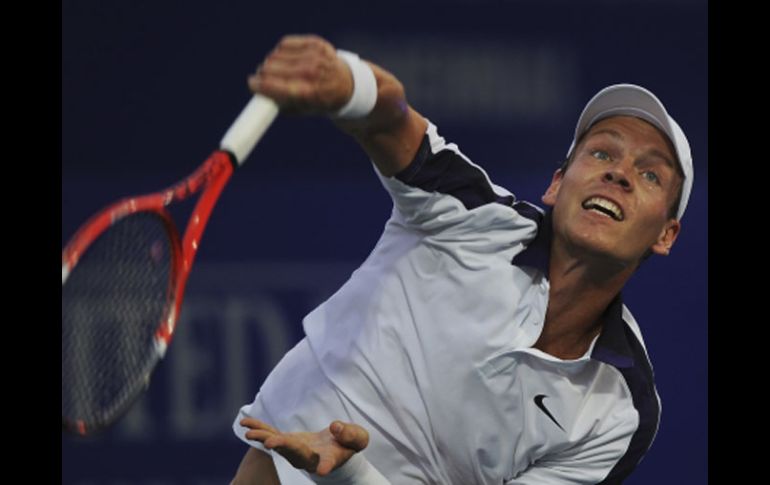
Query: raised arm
[304, 75]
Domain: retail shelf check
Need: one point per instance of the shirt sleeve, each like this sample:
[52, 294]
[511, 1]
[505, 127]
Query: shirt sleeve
[441, 188]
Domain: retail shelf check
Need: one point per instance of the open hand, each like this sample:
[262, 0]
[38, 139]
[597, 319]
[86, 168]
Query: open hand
[319, 452]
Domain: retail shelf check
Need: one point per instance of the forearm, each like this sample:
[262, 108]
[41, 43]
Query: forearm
[393, 131]
[256, 468]
[305, 75]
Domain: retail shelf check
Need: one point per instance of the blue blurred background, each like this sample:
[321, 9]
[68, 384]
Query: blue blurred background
[149, 87]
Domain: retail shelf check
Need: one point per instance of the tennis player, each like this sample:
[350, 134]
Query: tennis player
[485, 339]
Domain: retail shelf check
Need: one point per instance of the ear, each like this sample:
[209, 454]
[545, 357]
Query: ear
[667, 238]
[549, 198]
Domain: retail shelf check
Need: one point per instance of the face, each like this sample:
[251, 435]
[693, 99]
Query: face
[613, 200]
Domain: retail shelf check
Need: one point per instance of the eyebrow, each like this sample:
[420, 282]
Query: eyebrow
[652, 151]
[657, 153]
[608, 131]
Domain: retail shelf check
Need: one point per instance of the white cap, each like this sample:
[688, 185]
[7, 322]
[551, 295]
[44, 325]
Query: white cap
[632, 100]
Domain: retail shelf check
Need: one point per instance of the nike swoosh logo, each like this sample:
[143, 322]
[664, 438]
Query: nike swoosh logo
[539, 401]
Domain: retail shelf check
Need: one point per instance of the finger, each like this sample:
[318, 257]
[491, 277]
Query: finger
[350, 435]
[299, 55]
[258, 435]
[291, 96]
[275, 75]
[295, 42]
[283, 63]
[310, 67]
[254, 423]
[285, 92]
[254, 83]
[299, 455]
[275, 441]
[287, 68]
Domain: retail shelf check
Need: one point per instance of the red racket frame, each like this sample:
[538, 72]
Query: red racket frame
[210, 178]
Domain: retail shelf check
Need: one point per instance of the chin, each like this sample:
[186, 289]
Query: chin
[594, 246]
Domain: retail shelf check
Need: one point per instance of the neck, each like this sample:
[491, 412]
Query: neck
[581, 288]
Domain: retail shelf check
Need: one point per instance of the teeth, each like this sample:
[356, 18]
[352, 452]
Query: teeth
[605, 204]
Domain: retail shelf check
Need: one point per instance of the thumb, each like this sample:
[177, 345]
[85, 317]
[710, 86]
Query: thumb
[350, 435]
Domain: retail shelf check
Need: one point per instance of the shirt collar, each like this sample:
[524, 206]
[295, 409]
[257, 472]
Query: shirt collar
[612, 346]
[538, 253]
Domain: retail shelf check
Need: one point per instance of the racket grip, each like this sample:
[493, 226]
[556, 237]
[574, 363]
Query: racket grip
[249, 127]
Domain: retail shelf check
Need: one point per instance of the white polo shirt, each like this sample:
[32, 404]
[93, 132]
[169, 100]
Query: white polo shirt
[428, 345]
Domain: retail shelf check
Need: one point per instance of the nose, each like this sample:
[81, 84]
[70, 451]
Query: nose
[617, 176]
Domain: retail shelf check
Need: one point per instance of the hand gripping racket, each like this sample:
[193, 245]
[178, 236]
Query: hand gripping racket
[123, 278]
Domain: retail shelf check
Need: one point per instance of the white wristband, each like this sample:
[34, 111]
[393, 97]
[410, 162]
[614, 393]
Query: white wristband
[364, 97]
[357, 470]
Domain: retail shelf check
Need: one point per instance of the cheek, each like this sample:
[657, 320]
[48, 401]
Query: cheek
[665, 209]
[655, 218]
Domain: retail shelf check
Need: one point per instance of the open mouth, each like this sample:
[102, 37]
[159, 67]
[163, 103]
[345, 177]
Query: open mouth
[604, 207]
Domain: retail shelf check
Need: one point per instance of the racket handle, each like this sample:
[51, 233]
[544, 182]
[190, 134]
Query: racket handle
[249, 127]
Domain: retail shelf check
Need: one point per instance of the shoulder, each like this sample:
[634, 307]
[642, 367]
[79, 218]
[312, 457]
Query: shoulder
[440, 167]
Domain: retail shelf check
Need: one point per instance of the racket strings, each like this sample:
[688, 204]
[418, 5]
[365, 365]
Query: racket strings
[112, 303]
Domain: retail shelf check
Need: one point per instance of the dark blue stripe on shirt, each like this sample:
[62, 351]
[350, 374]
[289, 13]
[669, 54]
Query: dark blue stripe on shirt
[537, 254]
[449, 173]
[639, 379]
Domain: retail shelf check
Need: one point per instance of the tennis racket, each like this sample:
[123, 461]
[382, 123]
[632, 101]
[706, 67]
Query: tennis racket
[123, 279]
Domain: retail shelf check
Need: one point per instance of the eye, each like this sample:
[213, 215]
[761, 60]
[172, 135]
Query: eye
[601, 155]
[651, 176]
